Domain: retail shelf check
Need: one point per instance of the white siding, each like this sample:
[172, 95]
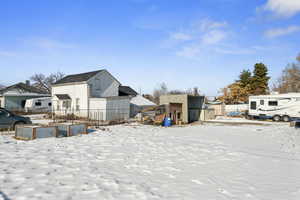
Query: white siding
[76, 91]
[109, 108]
[104, 85]
[98, 109]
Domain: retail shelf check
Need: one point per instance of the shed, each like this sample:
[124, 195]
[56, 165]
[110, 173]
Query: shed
[183, 107]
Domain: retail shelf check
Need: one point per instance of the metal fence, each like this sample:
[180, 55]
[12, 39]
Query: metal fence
[97, 116]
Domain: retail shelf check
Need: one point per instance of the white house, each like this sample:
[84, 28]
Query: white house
[94, 95]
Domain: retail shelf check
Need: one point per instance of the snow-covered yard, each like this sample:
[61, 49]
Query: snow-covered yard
[144, 162]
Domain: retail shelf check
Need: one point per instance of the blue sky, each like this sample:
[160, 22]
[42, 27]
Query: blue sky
[184, 43]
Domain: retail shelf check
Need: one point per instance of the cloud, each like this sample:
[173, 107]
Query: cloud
[213, 37]
[277, 32]
[189, 52]
[180, 36]
[283, 8]
[208, 24]
[193, 40]
[52, 44]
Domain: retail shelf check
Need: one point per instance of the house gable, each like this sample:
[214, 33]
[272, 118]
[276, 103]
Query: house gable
[103, 84]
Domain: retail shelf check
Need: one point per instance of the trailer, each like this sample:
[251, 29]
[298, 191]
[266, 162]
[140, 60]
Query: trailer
[278, 107]
[38, 104]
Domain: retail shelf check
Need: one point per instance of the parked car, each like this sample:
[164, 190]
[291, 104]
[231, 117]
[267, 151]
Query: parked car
[10, 120]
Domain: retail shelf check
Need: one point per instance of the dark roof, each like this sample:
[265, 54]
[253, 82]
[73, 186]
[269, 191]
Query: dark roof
[77, 77]
[63, 96]
[126, 90]
[23, 86]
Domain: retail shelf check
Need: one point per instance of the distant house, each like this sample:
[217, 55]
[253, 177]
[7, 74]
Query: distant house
[14, 97]
[96, 95]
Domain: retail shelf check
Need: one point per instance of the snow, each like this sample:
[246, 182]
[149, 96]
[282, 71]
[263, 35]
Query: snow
[233, 120]
[141, 101]
[145, 162]
[39, 119]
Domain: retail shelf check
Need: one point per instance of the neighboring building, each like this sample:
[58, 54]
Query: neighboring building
[14, 97]
[183, 107]
[218, 106]
[95, 95]
[127, 91]
[139, 103]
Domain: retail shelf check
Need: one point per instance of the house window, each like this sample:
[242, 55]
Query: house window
[262, 102]
[38, 103]
[67, 104]
[273, 103]
[77, 104]
[253, 105]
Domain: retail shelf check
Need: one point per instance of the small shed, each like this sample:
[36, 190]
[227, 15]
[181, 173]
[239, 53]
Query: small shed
[183, 107]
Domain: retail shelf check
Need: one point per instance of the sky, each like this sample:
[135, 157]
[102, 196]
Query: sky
[184, 43]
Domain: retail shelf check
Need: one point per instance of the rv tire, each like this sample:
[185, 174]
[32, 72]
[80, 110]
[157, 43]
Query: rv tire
[276, 118]
[286, 118]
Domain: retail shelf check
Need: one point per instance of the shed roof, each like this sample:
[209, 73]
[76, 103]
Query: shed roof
[77, 77]
[63, 96]
[127, 90]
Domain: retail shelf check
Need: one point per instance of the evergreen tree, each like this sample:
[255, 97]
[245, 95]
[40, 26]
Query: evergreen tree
[245, 78]
[260, 79]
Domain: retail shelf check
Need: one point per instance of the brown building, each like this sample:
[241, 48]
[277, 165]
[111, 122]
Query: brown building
[183, 107]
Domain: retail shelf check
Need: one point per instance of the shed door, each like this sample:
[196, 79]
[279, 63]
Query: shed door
[194, 115]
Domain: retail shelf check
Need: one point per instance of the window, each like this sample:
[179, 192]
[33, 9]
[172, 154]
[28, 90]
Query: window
[50, 104]
[77, 104]
[2, 113]
[273, 103]
[66, 104]
[38, 103]
[262, 102]
[253, 105]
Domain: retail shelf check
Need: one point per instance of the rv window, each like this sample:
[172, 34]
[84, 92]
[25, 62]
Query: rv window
[38, 103]
[273, 103]
[253, 105]
[262, 102]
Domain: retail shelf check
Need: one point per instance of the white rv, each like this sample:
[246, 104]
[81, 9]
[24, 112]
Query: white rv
[39, 104]
[279, 107]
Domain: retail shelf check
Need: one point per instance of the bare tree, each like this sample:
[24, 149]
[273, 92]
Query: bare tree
[289, 81]
[44, 82]
[162, 90]
[298, 57]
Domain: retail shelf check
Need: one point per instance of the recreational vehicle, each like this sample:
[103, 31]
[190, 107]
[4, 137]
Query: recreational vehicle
[279, 107]
[38, 105]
